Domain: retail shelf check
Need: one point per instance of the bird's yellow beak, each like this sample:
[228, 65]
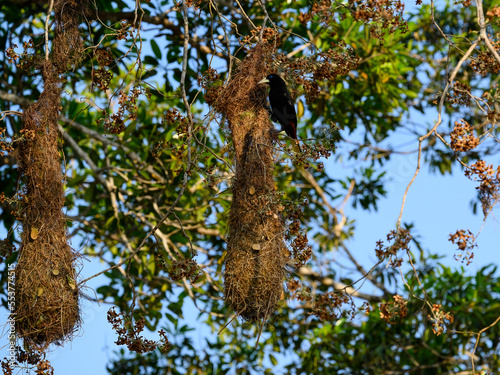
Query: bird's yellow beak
[265, 80]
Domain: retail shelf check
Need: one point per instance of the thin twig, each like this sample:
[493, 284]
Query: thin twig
[361, 270]
[477, 341]
[243, 13]
[185, 58]
[261, 34]
[225, 325]
[226, 37]
[398, 224]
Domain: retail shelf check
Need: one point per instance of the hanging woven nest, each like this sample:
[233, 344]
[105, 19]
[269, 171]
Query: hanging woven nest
[46, 292]
[256, 252]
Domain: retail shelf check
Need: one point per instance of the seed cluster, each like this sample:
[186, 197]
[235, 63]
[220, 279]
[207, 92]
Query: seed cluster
[460, 94]
[465, 241]
[485, 63]
[401, 238]
[127, 110]
[382, 16]
[462, 137]
[186, 268]
[393, 312]
[489, 187]
[129, 334]
[440, 319]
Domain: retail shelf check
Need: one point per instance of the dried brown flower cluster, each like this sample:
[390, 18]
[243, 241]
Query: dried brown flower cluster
[325, 306]
[127, 110]
[6, 367]
[293, 285]
[462, 137]
[460, 94]
[186, 268]
[322, 9]
[192, 3]
[485, 63]
[6, 247]
[393, 312]
[5, 145]
[489, 187]
[29, 360]
[44, 368]
[440, 319]
[129, 334]
[208, 77]
[328, 306]
[367, 307]
[301, 251]
[384, 15]
[324, 67]
[401, 238]
[101, 78]
[28, 60]
[173, 118]
[465, 241]
[210, 82]
[103, 56]
[493, 14]
[269, 35]
[125, 31]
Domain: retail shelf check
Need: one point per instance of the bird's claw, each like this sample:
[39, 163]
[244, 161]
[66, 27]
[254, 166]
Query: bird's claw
[274, 133]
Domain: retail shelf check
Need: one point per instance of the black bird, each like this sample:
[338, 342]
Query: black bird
[282, 105]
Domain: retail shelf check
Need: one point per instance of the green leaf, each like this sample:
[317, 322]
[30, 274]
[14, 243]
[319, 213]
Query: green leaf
[150, 60]
[273, 359]
[156, 49]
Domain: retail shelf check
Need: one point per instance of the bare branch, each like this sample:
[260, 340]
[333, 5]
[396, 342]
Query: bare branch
[51, 6]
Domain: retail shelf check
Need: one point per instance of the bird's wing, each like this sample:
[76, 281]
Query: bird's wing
[289, 99]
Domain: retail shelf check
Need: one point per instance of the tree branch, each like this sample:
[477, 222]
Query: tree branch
[51, 5]
[438, 122]
[327, 281]
[163, 21]
[482, 30]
